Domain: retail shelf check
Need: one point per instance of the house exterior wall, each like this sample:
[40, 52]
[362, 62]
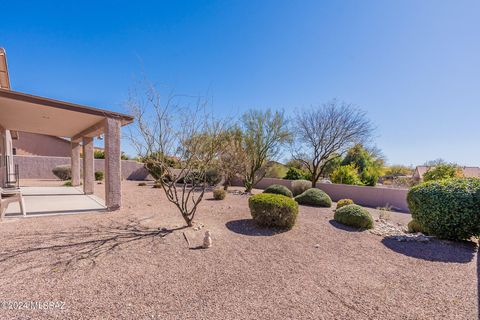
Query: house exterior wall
[33, 144]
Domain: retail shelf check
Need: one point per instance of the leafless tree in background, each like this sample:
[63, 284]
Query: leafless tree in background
[178, 129]
[232, 159]
[326, 133]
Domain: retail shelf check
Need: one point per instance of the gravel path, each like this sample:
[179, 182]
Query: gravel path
[135, 264]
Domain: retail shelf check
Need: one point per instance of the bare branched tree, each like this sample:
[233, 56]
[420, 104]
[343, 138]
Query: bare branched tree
[232, 158]
[264, 133]
[325, 133]
[178, 130]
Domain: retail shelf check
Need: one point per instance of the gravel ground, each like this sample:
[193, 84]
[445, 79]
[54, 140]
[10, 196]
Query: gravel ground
[135, 264]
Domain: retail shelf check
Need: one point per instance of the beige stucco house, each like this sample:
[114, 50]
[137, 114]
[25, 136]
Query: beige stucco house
[21, 112]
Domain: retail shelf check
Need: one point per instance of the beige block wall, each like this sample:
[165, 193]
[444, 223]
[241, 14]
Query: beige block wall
[373, 197]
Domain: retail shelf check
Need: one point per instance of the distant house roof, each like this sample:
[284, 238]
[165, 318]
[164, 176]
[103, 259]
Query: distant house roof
[469, 172]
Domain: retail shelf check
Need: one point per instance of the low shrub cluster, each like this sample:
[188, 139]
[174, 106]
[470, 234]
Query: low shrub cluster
[279, 189]
[98, 175]
[213, 177]
[414, 226]
[219, 194]
[448, 209]
[273, 210]
[63, 172]
[296, 174]
[344, 202]
[314, 197]
[355, 216]
[300, 186]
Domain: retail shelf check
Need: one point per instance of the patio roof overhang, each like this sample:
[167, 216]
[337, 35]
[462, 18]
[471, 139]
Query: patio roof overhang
[25, 112]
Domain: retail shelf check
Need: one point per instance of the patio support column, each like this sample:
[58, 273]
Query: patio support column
[75, 163]
[88, 173]
[113, 191]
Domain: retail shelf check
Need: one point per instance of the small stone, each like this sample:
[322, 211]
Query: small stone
[317, 246]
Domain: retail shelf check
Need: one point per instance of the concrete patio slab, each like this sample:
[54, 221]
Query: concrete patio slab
[55, 200]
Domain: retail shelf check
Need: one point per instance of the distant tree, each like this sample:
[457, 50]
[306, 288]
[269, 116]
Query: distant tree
[443, 171]
[326, 133]
[331, 165]
[347, 174]
[398, 170]
[368, 163]
[232, 156]
[264, 132]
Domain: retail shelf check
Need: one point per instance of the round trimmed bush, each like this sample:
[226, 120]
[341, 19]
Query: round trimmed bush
[344, 202]
[300, 186]
[273, 210]
[355, 216]
[448, 209]
[278, 189]
[414, 226]
[63, 172]
[314, 197]
[219, 194]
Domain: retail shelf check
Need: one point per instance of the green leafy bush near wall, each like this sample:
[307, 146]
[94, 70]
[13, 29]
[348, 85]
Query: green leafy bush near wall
[98, 175]
[278, 189]
[63, 172]
[295, 174]
[448, 209]
[300, 186]
[213, 177]
[355, 216]
[273, 210]
[314, 197]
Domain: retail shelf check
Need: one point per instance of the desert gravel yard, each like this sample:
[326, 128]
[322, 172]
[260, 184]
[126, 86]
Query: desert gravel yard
[136, 264]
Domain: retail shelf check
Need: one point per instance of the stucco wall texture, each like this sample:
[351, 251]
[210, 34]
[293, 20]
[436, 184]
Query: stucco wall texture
[373, 197]
[34, 144]
[38, 167]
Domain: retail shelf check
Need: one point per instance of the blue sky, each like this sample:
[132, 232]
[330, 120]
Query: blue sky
[414, 66]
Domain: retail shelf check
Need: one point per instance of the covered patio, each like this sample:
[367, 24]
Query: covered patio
[42, 201]
[80, 124]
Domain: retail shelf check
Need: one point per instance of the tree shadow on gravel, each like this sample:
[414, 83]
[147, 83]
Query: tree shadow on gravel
[434, 250]
[248, 227]
[344, 227]
[66, 249]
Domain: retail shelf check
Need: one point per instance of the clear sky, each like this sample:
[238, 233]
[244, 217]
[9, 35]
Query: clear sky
[414, 66]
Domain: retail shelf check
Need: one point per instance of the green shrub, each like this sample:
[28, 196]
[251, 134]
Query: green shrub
[98, 175]
[213, 177]
[67, 183]
[443, 171]
[314, 197]
[273, 210]
[355, 216]
[295, 174]
[300, 186]
[157, 185]
[415, 226]
[279, 189]
[344, 202]
[63, 172]
[347, 174]
[448, 209]
[142, 184]
[219, 194]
